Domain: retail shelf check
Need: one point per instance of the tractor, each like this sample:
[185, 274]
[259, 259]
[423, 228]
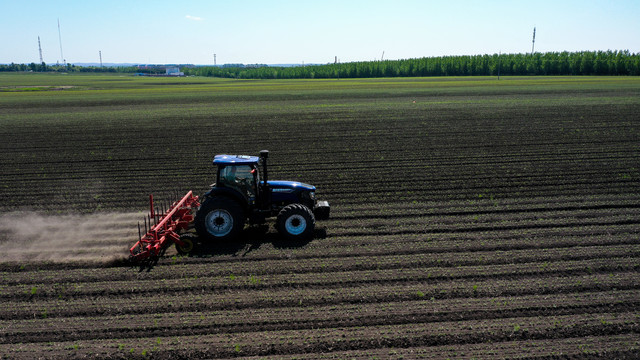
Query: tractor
[240, 194]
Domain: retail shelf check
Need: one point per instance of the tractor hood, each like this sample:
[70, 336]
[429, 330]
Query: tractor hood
[293, 185]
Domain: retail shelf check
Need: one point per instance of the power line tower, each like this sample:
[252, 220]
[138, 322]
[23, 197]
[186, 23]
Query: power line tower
[40, 51]
[533, 43]
[214, 60]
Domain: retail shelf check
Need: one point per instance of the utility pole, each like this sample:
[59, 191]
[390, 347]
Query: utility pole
[499, 56]
[64, 62]
[533, 43]
[40, 50]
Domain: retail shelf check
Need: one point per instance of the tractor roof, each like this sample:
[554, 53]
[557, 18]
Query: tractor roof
[235, 160]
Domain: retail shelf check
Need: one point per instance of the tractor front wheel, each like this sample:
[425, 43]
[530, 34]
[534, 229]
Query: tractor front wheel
[219, 219]
[296, 222]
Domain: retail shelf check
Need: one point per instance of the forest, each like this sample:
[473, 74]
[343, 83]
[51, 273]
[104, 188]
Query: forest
[550, 63]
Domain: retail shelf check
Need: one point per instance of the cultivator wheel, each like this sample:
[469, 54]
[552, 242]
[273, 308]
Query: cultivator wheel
[188, 243]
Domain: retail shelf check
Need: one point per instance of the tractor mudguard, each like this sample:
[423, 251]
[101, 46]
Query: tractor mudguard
[232, 193]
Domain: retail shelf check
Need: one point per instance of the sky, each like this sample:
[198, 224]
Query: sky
[297, 32]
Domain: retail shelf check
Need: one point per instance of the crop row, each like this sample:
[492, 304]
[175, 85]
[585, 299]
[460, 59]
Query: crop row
[400, 272]
[284, 342]
[331, 316]
[605, 346]
[205, 298]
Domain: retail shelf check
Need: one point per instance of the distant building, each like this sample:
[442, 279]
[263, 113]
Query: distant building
[174, 71]
[156, 70]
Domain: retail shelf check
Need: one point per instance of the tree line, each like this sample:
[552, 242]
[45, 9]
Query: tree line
[67, 68]
[549, 63]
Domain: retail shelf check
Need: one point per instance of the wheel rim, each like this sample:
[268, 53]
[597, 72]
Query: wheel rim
[295, 224]
[219, 222]
[188, 245]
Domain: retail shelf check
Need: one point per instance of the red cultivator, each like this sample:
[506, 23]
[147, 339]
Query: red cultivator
[161, 229]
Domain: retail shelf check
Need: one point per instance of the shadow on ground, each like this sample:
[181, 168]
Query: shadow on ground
[251, 239]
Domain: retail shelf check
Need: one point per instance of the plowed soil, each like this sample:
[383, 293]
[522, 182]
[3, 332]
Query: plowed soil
[471, 218]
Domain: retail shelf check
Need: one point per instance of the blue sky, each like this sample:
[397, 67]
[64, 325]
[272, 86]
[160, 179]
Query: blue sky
[275, 32]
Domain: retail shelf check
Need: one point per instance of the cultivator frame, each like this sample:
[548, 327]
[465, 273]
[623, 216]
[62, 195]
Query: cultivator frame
[161, 228]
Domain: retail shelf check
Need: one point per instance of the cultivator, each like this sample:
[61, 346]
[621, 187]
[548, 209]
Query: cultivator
[161, 227]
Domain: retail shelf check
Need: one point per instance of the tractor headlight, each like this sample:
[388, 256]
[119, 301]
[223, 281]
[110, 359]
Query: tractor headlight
[312, 195]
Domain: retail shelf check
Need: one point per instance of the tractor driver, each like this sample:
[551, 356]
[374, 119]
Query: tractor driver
[230, 176]
[231, 179]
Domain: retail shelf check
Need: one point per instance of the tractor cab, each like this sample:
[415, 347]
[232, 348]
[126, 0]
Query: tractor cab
[239, 173]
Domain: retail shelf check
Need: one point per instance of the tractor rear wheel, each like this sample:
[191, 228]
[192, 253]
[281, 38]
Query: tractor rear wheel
[219, 219]
[189, 240]
[296, 222]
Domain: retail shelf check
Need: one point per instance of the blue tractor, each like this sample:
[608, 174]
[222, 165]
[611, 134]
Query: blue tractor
[241, 193]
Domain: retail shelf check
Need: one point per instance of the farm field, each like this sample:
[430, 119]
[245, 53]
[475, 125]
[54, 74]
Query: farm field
[471, 218]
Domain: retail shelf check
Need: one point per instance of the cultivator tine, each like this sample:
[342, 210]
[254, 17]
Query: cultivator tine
[161, 227]
[151, 209]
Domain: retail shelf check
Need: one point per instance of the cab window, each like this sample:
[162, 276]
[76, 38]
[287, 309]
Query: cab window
[240, 177]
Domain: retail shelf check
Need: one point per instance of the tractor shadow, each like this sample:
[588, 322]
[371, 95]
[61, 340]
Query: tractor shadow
[251, 239]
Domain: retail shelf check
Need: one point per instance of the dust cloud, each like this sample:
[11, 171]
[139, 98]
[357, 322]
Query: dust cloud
[99, 237]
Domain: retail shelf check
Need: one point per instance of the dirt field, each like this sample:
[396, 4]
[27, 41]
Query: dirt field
[471, 218]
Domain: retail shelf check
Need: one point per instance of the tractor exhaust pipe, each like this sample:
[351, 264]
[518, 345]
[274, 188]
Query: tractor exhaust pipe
[264, 155]
[265, 192]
